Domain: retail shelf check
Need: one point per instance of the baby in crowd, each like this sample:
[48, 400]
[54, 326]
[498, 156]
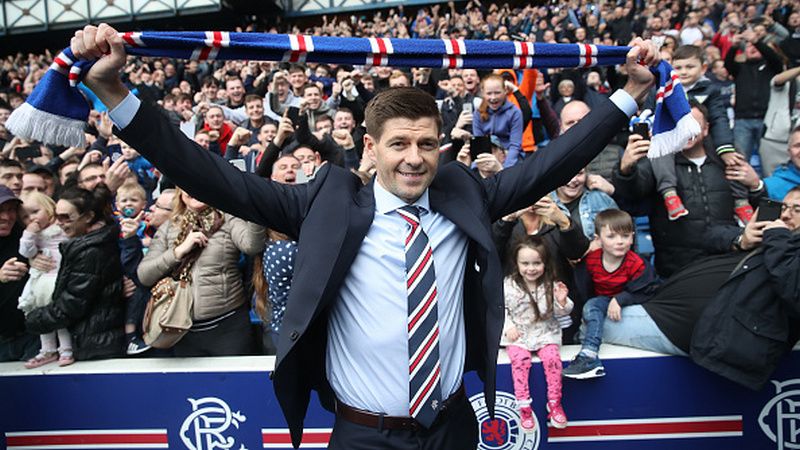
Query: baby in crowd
[43, 235]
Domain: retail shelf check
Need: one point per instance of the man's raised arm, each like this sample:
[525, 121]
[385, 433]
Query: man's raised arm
[522, 185]
[205, 176]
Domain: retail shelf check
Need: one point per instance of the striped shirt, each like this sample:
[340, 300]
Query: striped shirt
[612, 283]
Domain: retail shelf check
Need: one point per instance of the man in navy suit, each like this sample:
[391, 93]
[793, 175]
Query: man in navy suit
[349, 329]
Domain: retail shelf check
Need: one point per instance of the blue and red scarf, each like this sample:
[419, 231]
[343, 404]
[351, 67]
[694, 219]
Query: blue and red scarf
[56, 112]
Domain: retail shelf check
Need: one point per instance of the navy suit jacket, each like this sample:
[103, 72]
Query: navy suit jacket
[331, 215]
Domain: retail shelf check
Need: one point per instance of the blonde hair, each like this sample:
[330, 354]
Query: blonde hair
[131, 186]
[47, 203]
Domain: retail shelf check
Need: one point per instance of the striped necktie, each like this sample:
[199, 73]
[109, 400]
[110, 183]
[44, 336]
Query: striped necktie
[425, 392]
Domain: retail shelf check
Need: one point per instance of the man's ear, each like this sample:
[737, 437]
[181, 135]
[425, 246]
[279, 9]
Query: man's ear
[369, 147]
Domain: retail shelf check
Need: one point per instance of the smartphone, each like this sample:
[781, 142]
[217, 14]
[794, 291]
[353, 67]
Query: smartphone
[114, 152]
[28, 152]
[642, 129]
[769, 210]
[479, 145]
[467, 107]
[294, 114]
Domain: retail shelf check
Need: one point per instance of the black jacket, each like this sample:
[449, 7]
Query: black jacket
[331, 216]
[12, 321]
[709, 228]
[754, 319]
[753, 81]
[88, 296]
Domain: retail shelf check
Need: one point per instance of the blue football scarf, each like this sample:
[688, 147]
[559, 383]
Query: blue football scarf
[56, 111]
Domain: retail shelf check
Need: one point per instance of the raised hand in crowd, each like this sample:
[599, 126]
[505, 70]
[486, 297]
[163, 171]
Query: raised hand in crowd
[128, 226]
[240, 136]
[116, 173]
[464, 156]
[94, 156]
[105, 127]
[285, 131]
[597, 182]
[343, 138]
[548, 209]
[488, 165]
[635, 150]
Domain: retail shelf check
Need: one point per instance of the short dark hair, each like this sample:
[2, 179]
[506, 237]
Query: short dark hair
[209, 80]
[297, 68]
[693, 103]
[689, 52]
[616, 220]
[308, 86]
[406, 102]
[6, 163]
[252, 98]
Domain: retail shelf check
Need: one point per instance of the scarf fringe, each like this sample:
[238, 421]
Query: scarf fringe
[30, 123]
[673, 141]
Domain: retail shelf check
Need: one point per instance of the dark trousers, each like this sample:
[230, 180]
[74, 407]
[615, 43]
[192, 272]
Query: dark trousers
[456, 429]
[233, 336]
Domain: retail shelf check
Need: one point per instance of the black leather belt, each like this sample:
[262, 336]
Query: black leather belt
[384, 422]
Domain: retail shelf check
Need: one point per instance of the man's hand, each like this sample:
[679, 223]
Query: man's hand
[488, 165]
[776, 224]
[753, 233]
[343, 138]
[105, 127]
[743, 173]
[463, 155]
[90, 157]
[548, 208]
[285, 129]
[116, 174]
[240, 136]
[642, 56]
[614, 310]
[597, 182]
[128, 287]
[103, 44]
[12, 270]
[636, 149]
[43, 263]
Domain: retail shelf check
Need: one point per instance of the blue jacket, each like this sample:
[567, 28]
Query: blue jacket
[506, 123]
[784, 178]
[591, 203]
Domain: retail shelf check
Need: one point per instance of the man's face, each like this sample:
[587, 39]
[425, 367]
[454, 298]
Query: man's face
[794, 149]
[209, 91]
[406, 155]
[11, 177]
[312, 97]
[698, 140]
[572, 113]
[255, 109]
[90, 177]
[306, 156]
[719, 70]
[65, 171]
[160, 210]
[215, 118]
[574, 189]
[8, 217]
[343, 120]
[369, 85]
[285, 170]
[324, 126]
[794, 20]
[471, 79]
[689, 70]
[202, 139]
[297, 79]
[235, 90]
[790, 212]
[457, 87]
[4, 114]
[281, 89]
[33, 182]
[184, 105]
[615, 243]
[267, 133]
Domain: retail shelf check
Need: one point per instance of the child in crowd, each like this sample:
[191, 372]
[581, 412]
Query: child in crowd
[43, 235]
[613, 276]
[689, 62]
[534, 301]
[131, 200]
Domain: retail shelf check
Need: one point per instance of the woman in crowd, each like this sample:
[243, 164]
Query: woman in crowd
[87, 298]
[498, 117]
[211, 241]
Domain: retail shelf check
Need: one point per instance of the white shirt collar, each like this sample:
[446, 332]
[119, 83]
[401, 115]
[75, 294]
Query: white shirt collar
[386, 202]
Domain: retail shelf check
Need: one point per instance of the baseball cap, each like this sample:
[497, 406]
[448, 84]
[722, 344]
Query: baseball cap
[496, 142]
[7, 195]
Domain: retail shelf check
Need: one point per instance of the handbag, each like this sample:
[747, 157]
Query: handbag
[168, 315]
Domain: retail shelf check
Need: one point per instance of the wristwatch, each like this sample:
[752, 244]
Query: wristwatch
[738, 242]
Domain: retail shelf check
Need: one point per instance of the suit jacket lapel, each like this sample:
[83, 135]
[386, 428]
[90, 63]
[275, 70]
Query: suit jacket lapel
[460, 213]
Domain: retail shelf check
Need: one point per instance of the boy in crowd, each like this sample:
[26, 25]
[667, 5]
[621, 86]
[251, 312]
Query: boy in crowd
[130, 204]
[613, 276]
[688, 61]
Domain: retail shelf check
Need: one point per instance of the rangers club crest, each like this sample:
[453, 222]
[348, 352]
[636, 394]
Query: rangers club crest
[503, 432]
[780, 418]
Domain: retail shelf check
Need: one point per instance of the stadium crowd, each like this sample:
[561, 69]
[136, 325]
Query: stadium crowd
[86, 233]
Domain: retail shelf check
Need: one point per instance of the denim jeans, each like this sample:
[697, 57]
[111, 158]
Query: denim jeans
[637, 329]
[747, 135]
[594, 315]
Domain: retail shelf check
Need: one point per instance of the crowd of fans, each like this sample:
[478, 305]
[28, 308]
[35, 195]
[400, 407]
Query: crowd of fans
[85, 233]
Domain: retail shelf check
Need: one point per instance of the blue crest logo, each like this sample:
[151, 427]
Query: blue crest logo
[780, 417]
[503, 432]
